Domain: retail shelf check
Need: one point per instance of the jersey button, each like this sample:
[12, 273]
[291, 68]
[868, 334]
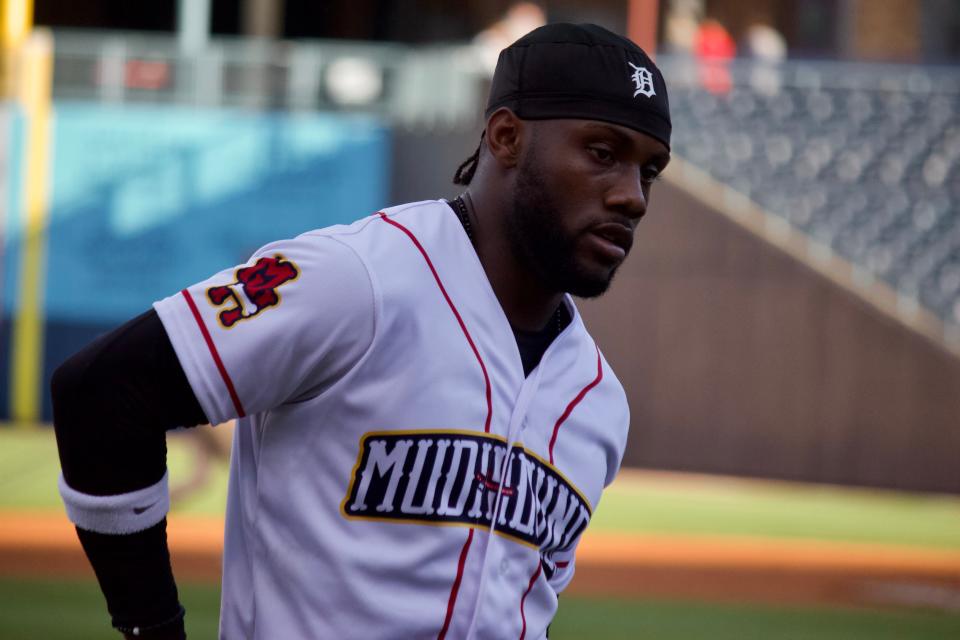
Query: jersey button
[504, 566]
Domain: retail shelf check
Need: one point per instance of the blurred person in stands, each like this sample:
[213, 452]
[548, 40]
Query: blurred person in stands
[714, 48]
[764, 43]
[681, 25]
[519, 19]
[767, 48]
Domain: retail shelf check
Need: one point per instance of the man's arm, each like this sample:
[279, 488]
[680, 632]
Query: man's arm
[113, 402]
[284, 327]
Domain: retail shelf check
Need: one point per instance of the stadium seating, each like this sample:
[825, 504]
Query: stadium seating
[863, 158]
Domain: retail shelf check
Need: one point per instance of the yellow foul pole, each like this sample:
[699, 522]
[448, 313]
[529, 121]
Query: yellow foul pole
[31, 79]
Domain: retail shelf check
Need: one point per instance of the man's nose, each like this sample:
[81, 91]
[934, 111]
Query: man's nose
[627, 195]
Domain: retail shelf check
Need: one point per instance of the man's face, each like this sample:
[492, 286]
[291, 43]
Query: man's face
[580, 191]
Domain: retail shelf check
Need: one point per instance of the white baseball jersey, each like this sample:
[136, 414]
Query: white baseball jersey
[394, 473]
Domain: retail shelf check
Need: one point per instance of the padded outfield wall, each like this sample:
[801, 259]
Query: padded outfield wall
[145, 200]
[739, 359]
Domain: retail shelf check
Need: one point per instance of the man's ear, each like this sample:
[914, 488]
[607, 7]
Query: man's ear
[505, 133]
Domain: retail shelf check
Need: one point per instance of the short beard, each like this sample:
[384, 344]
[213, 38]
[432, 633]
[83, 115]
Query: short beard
[538, 242]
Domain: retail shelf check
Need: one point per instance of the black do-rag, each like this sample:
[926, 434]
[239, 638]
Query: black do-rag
[581, 71]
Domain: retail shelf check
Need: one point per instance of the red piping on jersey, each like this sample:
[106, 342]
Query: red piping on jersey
[574, 403]
[456, 586]
[463, 327]
[455, 589]
[216, 355]
[533, 581]
[563, 564]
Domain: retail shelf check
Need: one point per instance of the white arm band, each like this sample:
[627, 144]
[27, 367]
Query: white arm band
[119, 514]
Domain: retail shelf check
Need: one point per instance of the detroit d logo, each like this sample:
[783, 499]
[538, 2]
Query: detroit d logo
[642, 80]
[254, 290]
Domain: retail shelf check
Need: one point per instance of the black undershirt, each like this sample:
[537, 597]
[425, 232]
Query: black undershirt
[533, 344]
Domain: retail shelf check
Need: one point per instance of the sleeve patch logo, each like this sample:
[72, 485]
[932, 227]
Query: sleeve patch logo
[465, 478]
[254, 290]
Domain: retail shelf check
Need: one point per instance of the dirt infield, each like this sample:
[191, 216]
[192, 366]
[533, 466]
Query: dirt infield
[624, 565]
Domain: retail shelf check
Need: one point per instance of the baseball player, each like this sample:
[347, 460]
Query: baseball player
[425, 425]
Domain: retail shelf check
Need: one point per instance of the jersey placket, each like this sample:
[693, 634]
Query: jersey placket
[515, 428]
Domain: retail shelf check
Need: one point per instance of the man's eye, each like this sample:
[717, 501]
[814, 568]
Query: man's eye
[650, 175]
[602, 154]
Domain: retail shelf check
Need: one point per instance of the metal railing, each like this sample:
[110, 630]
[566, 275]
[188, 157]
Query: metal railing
[441, 86]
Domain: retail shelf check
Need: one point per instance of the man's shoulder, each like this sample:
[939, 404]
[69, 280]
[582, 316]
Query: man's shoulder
[613, 383]
[409, 214]
[592, 357]
[370, 246]
[420, 215]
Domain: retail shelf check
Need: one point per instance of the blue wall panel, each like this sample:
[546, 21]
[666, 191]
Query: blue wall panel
[146, 200]
[11, 249]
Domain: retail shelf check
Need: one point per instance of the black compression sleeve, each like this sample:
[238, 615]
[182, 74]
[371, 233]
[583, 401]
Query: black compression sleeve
[135, 576]
[112, 403]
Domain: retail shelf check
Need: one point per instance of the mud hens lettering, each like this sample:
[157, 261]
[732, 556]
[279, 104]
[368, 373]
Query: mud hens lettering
[452, 477]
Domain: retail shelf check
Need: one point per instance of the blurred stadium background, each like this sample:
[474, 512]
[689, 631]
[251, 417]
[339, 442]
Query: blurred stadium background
[788, 328]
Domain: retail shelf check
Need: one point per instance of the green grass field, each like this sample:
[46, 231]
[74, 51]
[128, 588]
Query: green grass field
[706, 506]
[74, 611]
[720, 507]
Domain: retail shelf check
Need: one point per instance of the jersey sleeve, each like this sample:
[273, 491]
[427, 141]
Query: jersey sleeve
[282, 327]
[619, 425]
